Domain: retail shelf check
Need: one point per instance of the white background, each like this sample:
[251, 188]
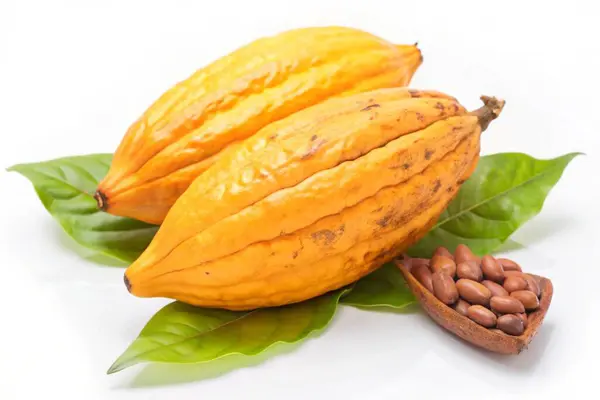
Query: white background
[74, 75]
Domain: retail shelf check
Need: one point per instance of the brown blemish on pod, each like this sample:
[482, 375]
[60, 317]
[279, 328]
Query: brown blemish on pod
[469, 330]
[367, 108]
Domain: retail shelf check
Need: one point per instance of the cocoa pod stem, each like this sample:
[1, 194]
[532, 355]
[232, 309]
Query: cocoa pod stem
[492, 107]
[101, 200]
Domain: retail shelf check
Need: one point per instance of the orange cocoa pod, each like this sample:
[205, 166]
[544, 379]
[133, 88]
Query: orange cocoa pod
[313, 202]
[190, 126]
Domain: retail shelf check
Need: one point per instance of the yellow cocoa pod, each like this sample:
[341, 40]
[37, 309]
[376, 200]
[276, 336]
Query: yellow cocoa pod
[314, 201]
[187, 129]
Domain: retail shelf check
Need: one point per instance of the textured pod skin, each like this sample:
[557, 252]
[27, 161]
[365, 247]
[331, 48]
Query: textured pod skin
[189, 127]
[313, 202]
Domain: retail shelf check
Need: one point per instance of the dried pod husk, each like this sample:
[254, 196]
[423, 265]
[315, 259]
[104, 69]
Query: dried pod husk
[470, 331]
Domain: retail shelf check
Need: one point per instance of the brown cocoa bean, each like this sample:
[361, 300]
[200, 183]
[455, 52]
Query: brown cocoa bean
[498, 314]
[445, 264]
[422, 273]
[506, 305]
[463, 253]
[473, 292]
[442, 251]
[461, 307]
[469, 270]
[444, 287]
[532, 284]
[529, 300]
[513, 273]
[492, 269]
[419, 261]
[510, 324]
[496, 289]
[513, 283]
[523, 317]
[509, 265]
[482, 316]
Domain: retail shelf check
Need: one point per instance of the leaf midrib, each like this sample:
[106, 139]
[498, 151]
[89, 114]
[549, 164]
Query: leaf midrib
[117, 367]
[479, 204]
[53, 178]
[193, 337]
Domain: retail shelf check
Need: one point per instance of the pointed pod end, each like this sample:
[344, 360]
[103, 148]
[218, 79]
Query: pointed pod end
[413, 56]
[101, 200]
[492, 107]
[416, 45]
[127, 283]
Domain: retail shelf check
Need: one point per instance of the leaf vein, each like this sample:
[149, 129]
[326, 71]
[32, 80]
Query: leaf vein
[195, 337]
[492, 198]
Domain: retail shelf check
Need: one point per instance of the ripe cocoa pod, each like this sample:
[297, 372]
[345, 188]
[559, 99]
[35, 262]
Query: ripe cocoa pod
[193, 123]
[314, 202]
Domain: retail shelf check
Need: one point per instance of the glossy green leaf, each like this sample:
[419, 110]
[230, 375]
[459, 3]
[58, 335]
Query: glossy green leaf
[504, 192]
[66, 187]
[385, 287]
[181, 333]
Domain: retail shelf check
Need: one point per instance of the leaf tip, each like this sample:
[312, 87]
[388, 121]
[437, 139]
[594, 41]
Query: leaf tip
[566, 158]
[116, 367]
[574, 154]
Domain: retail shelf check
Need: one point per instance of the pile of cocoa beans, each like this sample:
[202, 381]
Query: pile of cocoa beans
[495, 293]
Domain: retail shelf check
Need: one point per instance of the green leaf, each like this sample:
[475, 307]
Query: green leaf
[385, 287]
[505, 191]
[181, 333]
[66, 187]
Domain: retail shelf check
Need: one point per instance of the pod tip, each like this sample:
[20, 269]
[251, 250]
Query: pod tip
[127, 283]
